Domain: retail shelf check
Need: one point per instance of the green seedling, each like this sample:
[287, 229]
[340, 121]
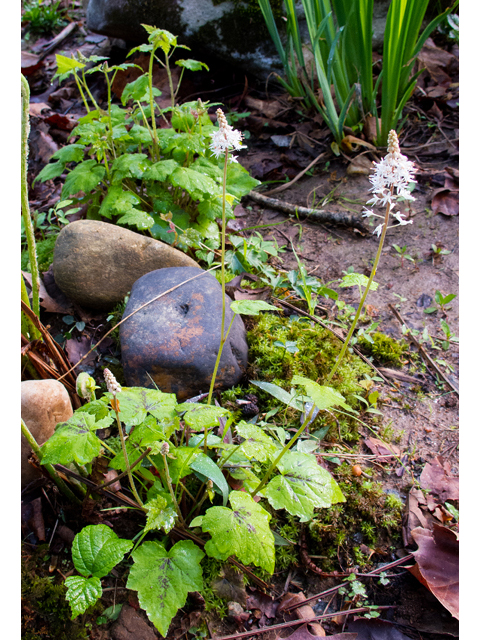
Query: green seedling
[437, 252]
[450, 337]
[442, 302]
[402, 252]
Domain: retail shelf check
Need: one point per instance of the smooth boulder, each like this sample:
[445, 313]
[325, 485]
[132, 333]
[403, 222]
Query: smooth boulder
[173, 342]
[96, 263]
[45, 403]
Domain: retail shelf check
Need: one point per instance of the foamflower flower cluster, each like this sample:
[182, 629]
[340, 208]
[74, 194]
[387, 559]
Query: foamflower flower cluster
[225, 138]
[112, 384]
[390, 181]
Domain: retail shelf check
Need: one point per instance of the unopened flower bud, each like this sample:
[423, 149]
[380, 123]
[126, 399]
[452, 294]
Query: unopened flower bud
[112, 384]
[165, 448]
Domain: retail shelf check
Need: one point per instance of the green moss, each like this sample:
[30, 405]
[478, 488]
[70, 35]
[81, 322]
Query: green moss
[384, 348]
[368, 516]
[44, 254]
[211, 569]
[45, 612]
[317, 353]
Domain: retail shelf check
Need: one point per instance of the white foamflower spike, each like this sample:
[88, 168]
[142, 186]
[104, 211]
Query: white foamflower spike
[225, 138]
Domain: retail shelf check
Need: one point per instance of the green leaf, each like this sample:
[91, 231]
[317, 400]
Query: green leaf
[290, 399]
[201, 416]
[135, 90]
[323, 397]
[117, 202]
[239, 182]
[82, 593]
[160, 515]
[75, 440]
[242, 531]
[354, 279]
[196, 184]
[179, 461]
[152, 430]
[164, 579]
[137, 402]
[257, 444]
[251, 307]
[302, 486]
[140, 135]
[192, 65]
[66, 66]
[97, 549]
[160, 170]
[70, 153]
[136, 218]
[130, 165]
[212, 208]
[85, 177]
[51, 171]
[207, 468]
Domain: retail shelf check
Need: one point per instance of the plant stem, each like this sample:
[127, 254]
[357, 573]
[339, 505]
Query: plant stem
[125, 455]
[79, 86]
[274, 464]
[364, 297]
[152, 112]
[27, 220]
[53, 473]
[28, 328]
[170, 488]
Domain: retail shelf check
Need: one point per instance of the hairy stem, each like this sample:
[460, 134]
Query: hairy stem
[124, 450]
[27, 220]
[170, 488]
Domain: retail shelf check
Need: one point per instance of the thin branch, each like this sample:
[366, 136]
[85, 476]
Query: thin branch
[313, 215]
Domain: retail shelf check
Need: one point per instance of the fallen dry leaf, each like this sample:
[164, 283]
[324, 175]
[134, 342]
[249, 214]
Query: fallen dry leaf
[35, 109]
[360, 166]
[46, 301]
[30, 63]
[230, 585]
[262, 602]
[379, 448]
[437, 478]
[301, 613]
[437, 565]
[76, 349]
[269, 108]
[66, 123]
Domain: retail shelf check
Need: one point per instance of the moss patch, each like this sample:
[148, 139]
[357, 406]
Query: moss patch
[385, 349]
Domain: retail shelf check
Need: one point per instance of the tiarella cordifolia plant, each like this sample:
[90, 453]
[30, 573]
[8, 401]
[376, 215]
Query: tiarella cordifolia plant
[165, 181]
[179, 487]
[391, 181]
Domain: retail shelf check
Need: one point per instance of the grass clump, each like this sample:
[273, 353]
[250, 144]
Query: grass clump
[384, 349]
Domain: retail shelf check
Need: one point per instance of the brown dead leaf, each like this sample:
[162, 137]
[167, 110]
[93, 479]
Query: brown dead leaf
[414, 517]
[379, 448]
[36, 522]
[302, 633]
[351, 144]
[437, 565]
[36, 109]
[65, 123]
[42, 145]
[370, 128]
[437, 478]
[445, 200]
[269, 108]
[262, 602]
[360, 166]
[30, 63]
[76, 349]
[230, 585]
[46, 301]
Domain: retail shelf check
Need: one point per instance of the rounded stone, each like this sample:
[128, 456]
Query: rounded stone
[95, 263]
[45, 403]
[173, 342]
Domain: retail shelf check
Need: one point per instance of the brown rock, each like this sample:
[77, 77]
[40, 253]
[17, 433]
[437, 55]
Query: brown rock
[130, 626]
[45, 403]
[96, 263]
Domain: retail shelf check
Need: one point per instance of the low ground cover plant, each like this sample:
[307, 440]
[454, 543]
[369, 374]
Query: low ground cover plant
[163, 181]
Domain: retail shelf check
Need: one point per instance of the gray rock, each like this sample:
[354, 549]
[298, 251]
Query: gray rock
[131, 626]
[45, 403]
[95, 263]
[175, 339]
[230, 31]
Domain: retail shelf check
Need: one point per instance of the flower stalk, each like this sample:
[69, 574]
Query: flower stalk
[114, 388]
[390, 181]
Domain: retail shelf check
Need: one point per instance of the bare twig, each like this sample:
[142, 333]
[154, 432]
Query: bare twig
[313, 215]
[422, 350]
[53, 44]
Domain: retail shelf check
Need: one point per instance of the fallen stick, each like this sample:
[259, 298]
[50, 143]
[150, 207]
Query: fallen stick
[314, 215]
[287, 185]
[422, 351]
[53, 44]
